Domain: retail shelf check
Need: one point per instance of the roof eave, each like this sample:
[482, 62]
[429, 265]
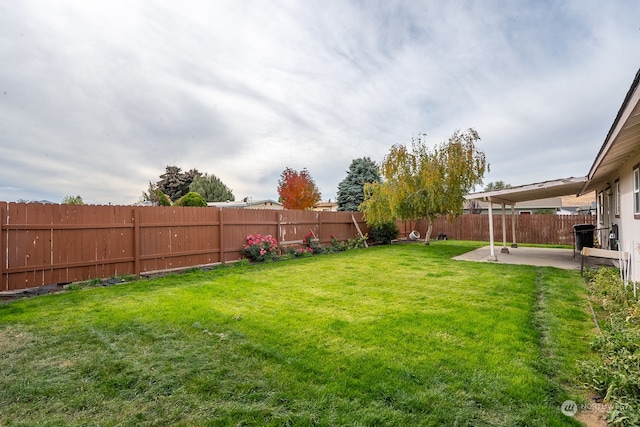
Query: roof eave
[623, 114]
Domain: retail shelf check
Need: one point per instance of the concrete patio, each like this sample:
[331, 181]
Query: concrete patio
[542, 257]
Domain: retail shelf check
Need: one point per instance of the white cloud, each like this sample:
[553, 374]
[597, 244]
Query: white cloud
[101, 96]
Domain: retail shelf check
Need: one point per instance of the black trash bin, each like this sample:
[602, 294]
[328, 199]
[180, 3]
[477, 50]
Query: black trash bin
[584, 235]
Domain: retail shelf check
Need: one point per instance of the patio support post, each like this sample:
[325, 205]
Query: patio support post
[504, 249]
[492, 253]
[513, 226]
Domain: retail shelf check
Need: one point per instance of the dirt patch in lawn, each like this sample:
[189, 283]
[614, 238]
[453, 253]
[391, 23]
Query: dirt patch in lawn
[593, 417]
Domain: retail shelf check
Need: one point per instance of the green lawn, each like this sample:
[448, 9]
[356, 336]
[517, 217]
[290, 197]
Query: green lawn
[396, 335]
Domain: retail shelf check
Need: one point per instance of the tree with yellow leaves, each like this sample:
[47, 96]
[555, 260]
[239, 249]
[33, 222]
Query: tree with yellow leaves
[424, 183]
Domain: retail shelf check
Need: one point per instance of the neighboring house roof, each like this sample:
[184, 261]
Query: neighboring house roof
[582, 201]
[326, 206]
[43, 202]
[622, 140]
[549, 202]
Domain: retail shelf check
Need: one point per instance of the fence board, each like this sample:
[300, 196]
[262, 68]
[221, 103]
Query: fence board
[238, 223]
[3, 208]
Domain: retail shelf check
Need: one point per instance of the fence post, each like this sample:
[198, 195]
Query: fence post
[278, 226]
[136, 240]
[3, 254]
[223, 256]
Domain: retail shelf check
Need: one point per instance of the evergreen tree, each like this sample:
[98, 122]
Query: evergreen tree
[211, 188]
[351, 189]
[175, 183]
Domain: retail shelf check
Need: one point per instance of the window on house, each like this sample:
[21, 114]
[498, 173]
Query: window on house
[636, 190]
[616, 198]
[600, 207]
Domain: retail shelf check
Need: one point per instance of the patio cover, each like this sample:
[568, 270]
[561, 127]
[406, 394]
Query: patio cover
[511, 196]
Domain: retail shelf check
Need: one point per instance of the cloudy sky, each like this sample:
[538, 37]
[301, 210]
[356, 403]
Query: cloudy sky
[98, 97]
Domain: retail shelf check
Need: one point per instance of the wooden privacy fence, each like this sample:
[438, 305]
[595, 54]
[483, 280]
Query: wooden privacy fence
[43, 244]
[537, 229]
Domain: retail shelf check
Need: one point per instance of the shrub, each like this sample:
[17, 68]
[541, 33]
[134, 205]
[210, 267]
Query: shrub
[338, 246]
[607, 290]
[617, 376]
[313, 244]
[191, 199]
[72, 200]
[260, 248]
[300, 252]
[285, 256]
[357, 242]
[384, 233]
